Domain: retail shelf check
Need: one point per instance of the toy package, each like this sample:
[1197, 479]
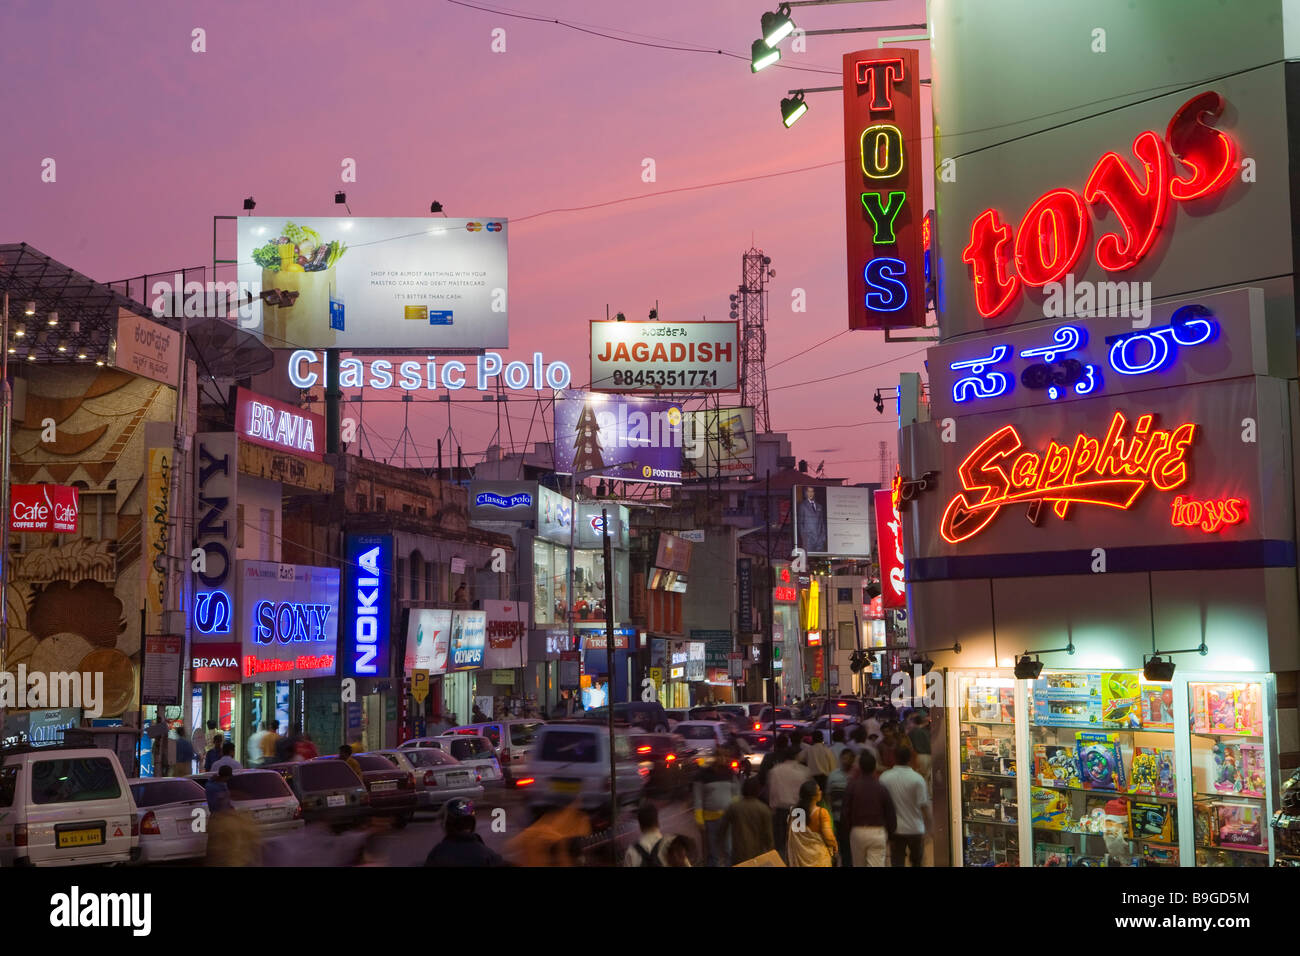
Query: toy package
[1120, 705]
[1227, 709]
[1155, 855]
[1063, 699]
[1101, 762]
[1053, 854]
[1239, 824]
[1152, 772]
[1006, 704]
[1227, 767]
[1056, 765]
[1203, 821]
[1051, 809]
[1157, 702]
[1154, 821]
[1252, 770]
[982, 703]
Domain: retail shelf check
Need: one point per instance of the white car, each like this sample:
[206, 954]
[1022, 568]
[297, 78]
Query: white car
[511, 738]
[266, 797]
[571, 763]
[172, 814]
[65, 806]
[703, 736]
[472, 749]
[676, 716]
[439, 777]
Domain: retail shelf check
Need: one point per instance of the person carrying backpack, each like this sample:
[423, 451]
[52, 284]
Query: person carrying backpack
[650, 849]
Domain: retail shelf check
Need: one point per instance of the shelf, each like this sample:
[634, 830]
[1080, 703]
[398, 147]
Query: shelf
[1100, 792]
[1215, 736]
[1102, 730]
[991, 823]
[1227, 796]
[1233, 849]
[1153, 840]
[985, 773]
[989, 723]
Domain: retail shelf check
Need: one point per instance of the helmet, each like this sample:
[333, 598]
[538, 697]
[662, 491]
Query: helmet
[460, 809]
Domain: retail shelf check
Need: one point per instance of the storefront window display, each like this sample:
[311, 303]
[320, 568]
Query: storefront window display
[550, 582]
[986, 729]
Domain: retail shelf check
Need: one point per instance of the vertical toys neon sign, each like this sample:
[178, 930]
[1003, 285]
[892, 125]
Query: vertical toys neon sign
[882, 171]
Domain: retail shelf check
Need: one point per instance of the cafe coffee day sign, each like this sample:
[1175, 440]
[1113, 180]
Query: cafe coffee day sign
[36, 508]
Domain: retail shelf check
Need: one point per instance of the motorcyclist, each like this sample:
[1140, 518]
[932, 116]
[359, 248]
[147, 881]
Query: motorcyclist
[461, 846]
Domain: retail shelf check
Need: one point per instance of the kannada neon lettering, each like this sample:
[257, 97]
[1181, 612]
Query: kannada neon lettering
[1110, 472]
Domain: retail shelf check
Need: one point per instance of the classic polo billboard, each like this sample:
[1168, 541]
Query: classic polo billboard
[375, 283]
[618, 437]
[287, 621]
[655, 356]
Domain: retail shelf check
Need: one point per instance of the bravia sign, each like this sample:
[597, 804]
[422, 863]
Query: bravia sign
[43, 508]
[272, 423]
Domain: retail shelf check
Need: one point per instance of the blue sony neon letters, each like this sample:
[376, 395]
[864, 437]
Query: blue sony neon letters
[982, 384]
[289, 622]
[212, 612]
[885, 293]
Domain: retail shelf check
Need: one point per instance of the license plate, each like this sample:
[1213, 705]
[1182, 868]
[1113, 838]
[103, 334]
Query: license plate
[335, 800]
[184, 828]
[268, 814]
[383, 785]
[566, 786]
[459, 776]
[75, 838]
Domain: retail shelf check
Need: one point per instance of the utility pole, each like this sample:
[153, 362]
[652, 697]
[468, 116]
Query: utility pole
[610, 683]
[771, 603]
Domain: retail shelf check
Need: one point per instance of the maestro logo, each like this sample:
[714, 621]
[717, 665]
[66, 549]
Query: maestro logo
[494, 227]
[473, 227]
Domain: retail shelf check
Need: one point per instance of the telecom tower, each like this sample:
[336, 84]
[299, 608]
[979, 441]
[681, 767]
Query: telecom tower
[749, 304]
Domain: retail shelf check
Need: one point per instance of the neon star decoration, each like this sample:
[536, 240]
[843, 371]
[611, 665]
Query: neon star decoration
[1110, 472]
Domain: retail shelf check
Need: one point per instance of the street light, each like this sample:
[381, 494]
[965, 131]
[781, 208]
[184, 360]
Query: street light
[777, 26]
[792, 107]
[762, 56]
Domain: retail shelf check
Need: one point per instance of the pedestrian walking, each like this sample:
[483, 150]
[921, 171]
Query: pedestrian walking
[217, 790]
[887, 749]
[182, 754]
[680, 850]
[254, 751]
[714, 788]
[199, 742]
[820, 760]
[214, 752]
[837, 782]
[812, 835]
[868, 815]
[919, 738]
[227, 758]
[783, 783]
[270, 742]
[345, 754]
[838, 744]
[911, 804]
[285, 746]
[649, 849]
[747, 824]
[304, 749]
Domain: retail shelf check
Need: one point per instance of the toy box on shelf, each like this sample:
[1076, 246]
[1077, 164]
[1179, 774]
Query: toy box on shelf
[1235, 709]
[1152, 772]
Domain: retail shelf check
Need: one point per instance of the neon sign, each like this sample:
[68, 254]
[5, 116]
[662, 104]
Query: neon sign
[369, 585]
[303, 662]
[1109, 472]
[1210, 516]
[882, 121]
[289, 622]
[1142, 352]
[413, 375]
[1054, 230]
[274, 424]
[215, 477]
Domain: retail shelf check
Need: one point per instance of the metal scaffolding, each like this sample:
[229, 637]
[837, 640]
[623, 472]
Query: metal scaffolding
[749, 304]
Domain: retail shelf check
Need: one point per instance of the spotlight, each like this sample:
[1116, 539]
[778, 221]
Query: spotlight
[30, 309]
[340, 198]
[777, 26]
[249, 205]
[1158, 669]
[1027, 669]
[81, 355]
[63, 348]
[99, 362]
[53, 318]
[793, 107]
[19, 332]
[436, 206]
[880, 402]
[762, 56]
[31, 356]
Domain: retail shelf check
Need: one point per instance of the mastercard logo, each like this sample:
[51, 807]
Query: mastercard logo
[674, 416]
[473, 227]
[645, 472]
[494, 227]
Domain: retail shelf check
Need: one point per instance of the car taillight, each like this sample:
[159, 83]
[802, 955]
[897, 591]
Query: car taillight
[643, 750]
[670, 758]
[525, 781]
[505, 756]
[429, 779]
[410, 781]
[297, 812]
[20, 834]
[365, 799]
[758, 726]
[735, 765]
[148, 825]
[478, 776]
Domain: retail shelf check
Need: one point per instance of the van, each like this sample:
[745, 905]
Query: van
[512, 739]
[570, 762]
[65, 806]
[647, 715]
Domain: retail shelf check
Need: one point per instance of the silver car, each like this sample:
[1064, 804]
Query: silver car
[265, 798]
[473, 749]
[439, 777]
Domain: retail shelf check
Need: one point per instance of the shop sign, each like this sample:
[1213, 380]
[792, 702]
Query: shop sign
[786, 590]
[677, 672]
[285, 467]
[157, 523]
[161, 681]
[889, 538]
[554, 516]
[502, 500]
[1181, 343]
[215, 663]
[882, 174]
[745, 595]
[468, 636]
[507, 624]
[307, 369]
[288, 630]
[503, 677]
[43, 508]
[368, 586]
[557, 642]
[695, 537]
[696, 660]
[591, 525]
[654, 356]
[595, 640]
[1053, 233]
[147, 348]
[428, 634]
[215, 478]
[272, 423]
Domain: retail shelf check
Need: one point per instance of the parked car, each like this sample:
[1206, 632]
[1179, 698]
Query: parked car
[511, 739]
[571, 763]
[669, 756]
[850, 707]
[476, 751]
[170, 828]
[753, 709]
[439, 777]
[327, 790]
[65, 806]
[392, 790]
[704, 736]
[265, 797]
[676, 716]
[828, 723]
[786, 722]
[648, 715]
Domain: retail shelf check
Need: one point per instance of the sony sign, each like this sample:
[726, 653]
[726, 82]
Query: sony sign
[368, 588]
[215, 474]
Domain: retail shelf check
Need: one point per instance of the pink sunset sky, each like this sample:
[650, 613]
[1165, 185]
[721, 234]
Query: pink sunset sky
[151, 140]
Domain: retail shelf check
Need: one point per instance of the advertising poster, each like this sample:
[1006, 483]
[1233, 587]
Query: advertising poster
[287, 621]
[889, 540]
[468, 640]
[623, 438]
[43, 508]
[157, 526]
[428, 635]
[591, 525]
[507, 632]
[374, 283]
[833, 520]
[654, 356]
[147, 348]
[554, 516]
[673, 554]
[718, 442]
[502, 500]
[162, 670]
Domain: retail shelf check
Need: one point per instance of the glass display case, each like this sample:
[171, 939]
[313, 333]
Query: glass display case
[988, 809]
[1103, 773]
[1230, 769]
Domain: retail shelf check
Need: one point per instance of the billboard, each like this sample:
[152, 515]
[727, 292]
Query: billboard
[884, 205]
[718, 442]
[468, 640]
[623, 438]
[656, 356]
[591, 525]
[502, 500]
[889, 538]
[335, 282]
[288, 626]
[554, 516]
[43, 508]
[673, 554]
[147, 348]
[366, 604]
[833, 521]
[272, 423]
[428, 635]
[507, 633]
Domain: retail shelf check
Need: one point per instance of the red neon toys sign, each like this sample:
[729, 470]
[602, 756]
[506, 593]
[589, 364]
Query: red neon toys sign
[882, 175]
[1053, 232]
[1110, 472]
[1210, 516]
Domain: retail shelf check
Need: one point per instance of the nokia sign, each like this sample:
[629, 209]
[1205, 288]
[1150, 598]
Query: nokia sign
[367, 593]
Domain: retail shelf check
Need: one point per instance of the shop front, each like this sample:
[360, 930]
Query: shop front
[465, 648]
[504, 676]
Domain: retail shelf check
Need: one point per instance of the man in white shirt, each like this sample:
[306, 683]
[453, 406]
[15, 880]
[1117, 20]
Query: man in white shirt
[783, 783]
[199, 741]
[227, 759]
[254, 751]
[911, 806]
[651, 848]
